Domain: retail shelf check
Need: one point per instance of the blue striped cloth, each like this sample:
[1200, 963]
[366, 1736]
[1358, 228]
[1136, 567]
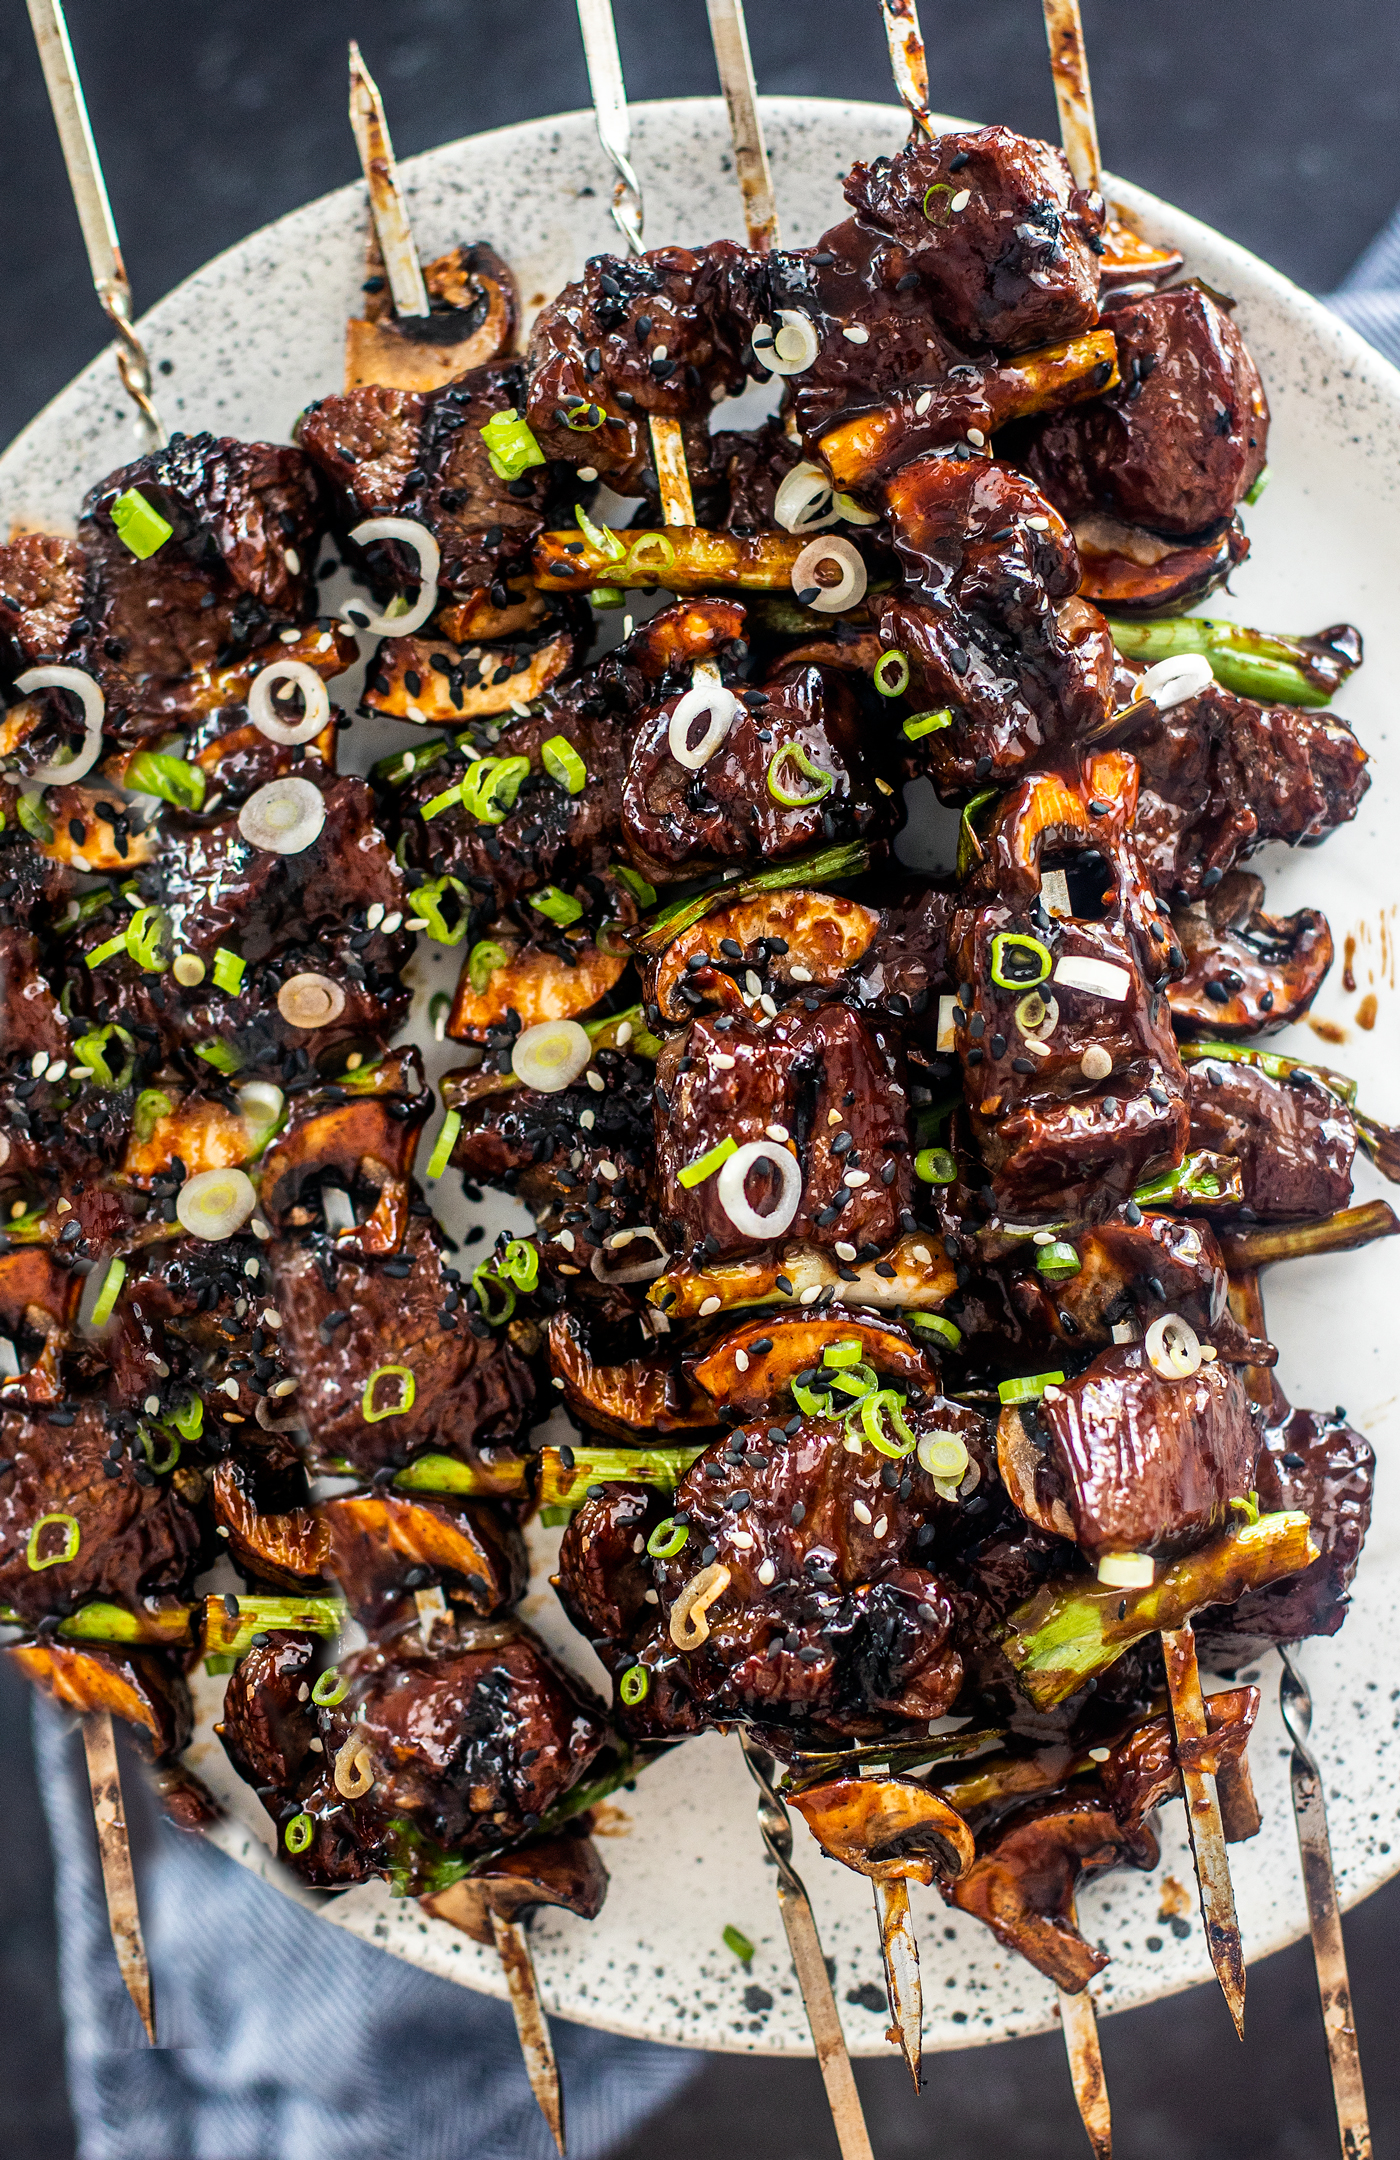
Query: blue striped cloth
[294, 2041]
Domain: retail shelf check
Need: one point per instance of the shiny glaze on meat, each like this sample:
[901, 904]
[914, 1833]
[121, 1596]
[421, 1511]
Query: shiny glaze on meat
[1246, 973]
[1294, 1139]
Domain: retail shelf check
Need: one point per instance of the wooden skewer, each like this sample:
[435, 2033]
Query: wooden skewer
[903, 1981]
[1069, 68]
[386, 203]
[730, 38]
[907, 57]
[531, 2024]
[1080, 2025]
[118, 1877]
[1196, 1758]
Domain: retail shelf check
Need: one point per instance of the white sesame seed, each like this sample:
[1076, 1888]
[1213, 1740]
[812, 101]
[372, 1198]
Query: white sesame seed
[1099, 1754]
[753, 984]
[316, 1745]
[776, 1132]
[1043, 1237]
[1038, 524]
[595, 1081]
[856, 1178]
[152, 1404]
[588, 472]
[374, 916]
[639, 1544]
[766, 1005]
[566, 1239]
[270, 1318]
[652, 1598]
[723, 1062]
[391, 922]
[767, 1574]
[882, 1526]
[520, 708]
[587, 1121]
[710, 1304]
[1052, 1394]
[289, 637]
[743, 1539]
[922, 404]
[284, 1387]
[660, 352]
[293, 561]
[960, 201]
[38, 1064]
[856, 333]
[845, 1251]
[625, 1034]
[800, 974]
[303, 1691]
[976, 437]
[57, 1071]
[608, 1170]
[221, 1530]
[861, 1511]
[811, 1294]
[565, 1269]
[922, 1254]
[260, 1228]
[65, 1207]
[416, 922]
[556, 1381]
[1209, 1353]
[230, 1388]
[741, 1359]
[834, 1117]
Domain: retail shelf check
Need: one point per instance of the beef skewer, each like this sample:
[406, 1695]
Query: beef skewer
[730, 38]
[113, 289]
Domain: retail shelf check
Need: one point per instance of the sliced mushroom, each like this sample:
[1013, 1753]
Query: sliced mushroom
[377, 1539]
[433, 704]
[473, 321]
[1018, 1460]
[748, 1378]
[825, 934]
[472, 616]
[289, 1548]
[923, 1278]
[538, 985]
[1130, 571]
[371, 1139]
[564, 1871]
[1237, 956]
[1022, 1883]
[142, 1687]
[644, 1395]
[892, 1828]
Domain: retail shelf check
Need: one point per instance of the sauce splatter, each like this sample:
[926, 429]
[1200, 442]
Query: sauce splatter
[1366, 1011]
[1328, 1030]
[1176, 1902]
[1349, 963]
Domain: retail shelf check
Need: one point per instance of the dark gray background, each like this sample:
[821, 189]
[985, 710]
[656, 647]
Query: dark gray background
[1275, 120]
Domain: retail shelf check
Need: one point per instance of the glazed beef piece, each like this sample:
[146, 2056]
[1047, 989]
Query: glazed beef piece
[197, 1306]
[409, 1321]
[988, 622]
[750, 466]
[750, 801]
[634, 336]
[1247, 972]
[145, 1688]
[68, 1488]
[419, 454]
[1183, 437]
[41, 596]
[832, 1084]
[1134, 1272]
[1123, 1460]
[1293, 1138]
[1023, 1881]
[1001, 239]
[31, 1023]
[384, 1546]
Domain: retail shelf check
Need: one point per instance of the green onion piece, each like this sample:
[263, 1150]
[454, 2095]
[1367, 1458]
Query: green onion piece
[667, 1538]
[585, 418]
[1200, 1176]
[793, 754]
[634, 1686]
[485, 1281]
[650, 553]
[891, 673]
[298, 1833]
[83, 910]
[705, 1165]
[741, 1946]
[607, 596]
[426, 900]
[559, 907]
[188, 1420]
[1271, 1062]
[151, 1107]
[563, 763]
[483, 961]
[437, 803]
[1267, 665]
[1261, 481]
[976, 815]
[857, 1380]
[148, 940]
[140, 526]
[228, 970]
[642, 893]
[1027, 973]
[72, 1539]
[520, 1264]
[809, 1402]
[33, 817]
[841, 1354]
[600, 538]
[440, 1005]
[108, 950]
[1057, 1262]
[502, 1480]
[935, 1166]
[111, 1289]
[370, 1411]
[847, 860]
[926, 723]
[944, 1456]
[936, 202]
[148, 1449]
[489, 788]
[175, 779]
[510, 445]
[1030, 1387]
[329, 1688]
[221, 1055]
[405, 765]
[885, 1403]
[90, 1050]
[259, 1614]
[446, 1141]
[934, 1324]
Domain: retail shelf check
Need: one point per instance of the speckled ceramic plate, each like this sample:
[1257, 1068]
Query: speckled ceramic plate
[240, 348]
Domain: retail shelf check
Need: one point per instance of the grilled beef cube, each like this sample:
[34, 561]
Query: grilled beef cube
[988, 620]
[1023, 1882]
[31, 1024]
[1183, 437]
[196, 1306]
[385, 1546]
[391, 1361]
[750, 800]
[831, 1084]
[419, 454]
[1222, 775]
[1313, 1460]
[145, 1688]
[1293, 1138]
[635, 336]
[752, 465]
[41, 596]
[1122, 1460]
[1003, 242]
[39, 1296]
[1247, 973]
[80, 1520]
[471, 1744]
[1134, 1272]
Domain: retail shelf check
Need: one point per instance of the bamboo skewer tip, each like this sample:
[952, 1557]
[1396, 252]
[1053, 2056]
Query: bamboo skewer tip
[118, 1875]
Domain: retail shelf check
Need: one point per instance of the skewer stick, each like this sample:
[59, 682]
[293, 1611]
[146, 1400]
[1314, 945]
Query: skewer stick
[531, 2025]
[820, 2003]
[386, 203]
[903, 1981]
[1080, 2025]
[118, 1877]
[104, 253]
[1196, 1758]
[1069, 67]
[730, 37]
[907, 57]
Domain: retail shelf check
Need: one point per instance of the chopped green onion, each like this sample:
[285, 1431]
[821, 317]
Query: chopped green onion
[559, 907]
[228, 970]
[667, 1538]
[489, 788]
[483, 961]
[82, 910]
[936, 202]
[642, 893]
[1057, 1262]
[175, 779]
[151, 1107]
[794, 754]
[934, 1324]
[329, 1688]
[426, 901]
[33, 817]
[108, 950]
[440, 1004]
[403, 765]
[1261, 481]
[1030, 1387]
[705, 1165]
[148, 940]
[602, 541]
[975, 814]
[148, 1449]
[510, 445]
[89, 1050]
[520, 1264]
[944, 1456]
[221, 1055]
[485, 1276]
[857, 1380]
[298, 1833]
[606, 596]
[1007, 942]
[634, 1685]
[585, 418]
[72, 1539]
[649, 553]
[111, 1289]
[886, 1403]
[563, 763]
[936, 1166]
[437, 803]
[926, 723]
[140, 526]
[891, 673]
[370, 1410]
[841, 1355]
[741, 1946]
[446, 1141]
[188, 1420]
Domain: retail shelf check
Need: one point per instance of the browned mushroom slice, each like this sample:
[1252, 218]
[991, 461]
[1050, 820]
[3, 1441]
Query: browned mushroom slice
[630, 1401]
[39, 1298]
[473, 321]
[507, 677]
[757, 1363]
[920, 1277]
[1130, 571]
[78, 837]
[892, 1828]
[1247, 972]
[1144, 1769]
[288, 1548]
[205, 1135]
[377, 1539]
[1128, 259]
[824, 933]
[473, 617]
[535, 984]
[564, 1871]
[369, 1139]
[1022, 1883]
[141, 1686]
[1022, 1467]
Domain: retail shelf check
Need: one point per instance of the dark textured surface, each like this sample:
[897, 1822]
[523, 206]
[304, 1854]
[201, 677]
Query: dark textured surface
[1273, 120]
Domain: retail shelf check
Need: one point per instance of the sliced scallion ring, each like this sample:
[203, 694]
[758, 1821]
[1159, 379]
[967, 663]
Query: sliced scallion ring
[841, 1355]
[520, 1264]
[667, 1538]
[298, 1833]
[563, 763]
[1009, 970]
[804, 501]
[891, 673]
[793, 753]
[426, 902]
[148, 940]
[277, 726]
[787, 346]
[556, 906]
[634, 1685]
[409, 533]
[482, 962]
[139, 525]
[285, 817]
[329, 1688]
[733, 1178]
[1029, 1387]
[175, 780]
[488, 1283]
[944, 1455]
[68, 1550]
[718, 705]
[510, 445]
[91, 1051]
[650, 554]
[849, 587]
[372, 1410]
[310, 1001]
[550, 1057]
[489, 789]
[884, 1404]
[446, 1141]
[1057, 1262]
[228, 968]
[109, 1293]
[601, 538]
[936, 1166]
[1173, 1348]
[89, 694]
[213, 1204]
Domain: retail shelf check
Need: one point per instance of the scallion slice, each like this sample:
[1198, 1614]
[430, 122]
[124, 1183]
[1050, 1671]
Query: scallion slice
[934, 1324]
[482, 962]
[563, 763]
[935, 1166]
[298, 1833]
[926, 723]
[634, 1686]
[140, 526]
[175, 779]
[793, 753]
[371, 1410]
[426, 902]
[446, 1141]
[891, 673]
[667, 1538]
[1029, 1387]
[1010, 973]
[510, 445]
[695, 1173]
[72, 1539]
[111, 1289]
[556, 906]
[228, 970]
